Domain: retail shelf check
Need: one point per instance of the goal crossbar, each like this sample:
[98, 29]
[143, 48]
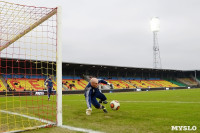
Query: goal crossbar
[53, 12]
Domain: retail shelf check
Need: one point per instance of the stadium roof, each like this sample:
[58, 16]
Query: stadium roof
[110, 67]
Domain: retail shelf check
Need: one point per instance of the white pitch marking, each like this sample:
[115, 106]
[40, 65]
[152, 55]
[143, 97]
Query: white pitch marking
[26, 116]
[157, 102]
[80, 129]
[49, 123]
[142, 101]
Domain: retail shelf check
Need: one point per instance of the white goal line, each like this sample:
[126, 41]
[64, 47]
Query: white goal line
[47, 123]
[29, 117]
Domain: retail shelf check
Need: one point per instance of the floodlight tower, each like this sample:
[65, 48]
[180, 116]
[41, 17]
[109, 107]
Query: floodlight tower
[155, 27]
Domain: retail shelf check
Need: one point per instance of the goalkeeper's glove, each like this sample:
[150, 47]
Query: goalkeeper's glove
[108, 83]
[88, 111]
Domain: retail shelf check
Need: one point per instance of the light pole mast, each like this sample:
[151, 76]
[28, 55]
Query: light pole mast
[155, 27]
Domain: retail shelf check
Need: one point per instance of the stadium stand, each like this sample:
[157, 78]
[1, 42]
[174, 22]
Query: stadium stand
[177, 83]
[74, 82]
[21, 84]
[164, 83]
[36, 82]
[120, 84]
[27, 82]
[77, 75]
[188, 81]
[151, 83]
[137, 83]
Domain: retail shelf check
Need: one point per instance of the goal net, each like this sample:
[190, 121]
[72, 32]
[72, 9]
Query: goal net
[30, 52]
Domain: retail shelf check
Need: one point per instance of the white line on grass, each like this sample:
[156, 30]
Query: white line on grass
[157, 102]
[29, 117]
[142, 101]
[80, 129]
[26, 116]
[47, 122]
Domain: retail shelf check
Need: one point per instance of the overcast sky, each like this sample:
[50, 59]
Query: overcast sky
[117, 32]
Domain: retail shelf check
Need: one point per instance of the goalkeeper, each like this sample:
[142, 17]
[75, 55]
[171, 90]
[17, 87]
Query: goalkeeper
[92, 92]
[49, 84]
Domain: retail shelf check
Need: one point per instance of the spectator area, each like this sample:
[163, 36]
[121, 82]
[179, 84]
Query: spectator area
[119, 84]
[75, 84]
[19, 83]
[188, 81]
[26, 84]
[177, 83]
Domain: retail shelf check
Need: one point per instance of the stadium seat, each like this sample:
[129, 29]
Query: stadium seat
[26, 84]
[187, 81]
[75, 84]
[2, 86]
[120, 84]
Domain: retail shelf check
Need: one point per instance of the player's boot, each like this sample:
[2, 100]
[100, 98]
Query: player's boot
[104, 109]
[104, 102]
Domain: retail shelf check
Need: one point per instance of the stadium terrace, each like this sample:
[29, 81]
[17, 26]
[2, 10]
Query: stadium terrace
[76, 75]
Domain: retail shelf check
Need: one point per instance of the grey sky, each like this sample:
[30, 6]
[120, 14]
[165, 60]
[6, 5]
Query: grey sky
[117, 32]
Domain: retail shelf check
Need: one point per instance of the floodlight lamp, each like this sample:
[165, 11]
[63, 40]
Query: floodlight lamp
[155, 24]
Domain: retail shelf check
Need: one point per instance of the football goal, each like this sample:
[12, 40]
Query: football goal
[30, 53]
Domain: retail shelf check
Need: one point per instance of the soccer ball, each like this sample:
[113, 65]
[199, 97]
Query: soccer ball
[114, 105]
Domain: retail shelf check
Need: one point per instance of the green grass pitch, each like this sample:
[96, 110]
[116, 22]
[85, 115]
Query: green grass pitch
[140, 112]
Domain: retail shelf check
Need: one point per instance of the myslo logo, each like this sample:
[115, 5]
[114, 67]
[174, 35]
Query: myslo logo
[183, 128]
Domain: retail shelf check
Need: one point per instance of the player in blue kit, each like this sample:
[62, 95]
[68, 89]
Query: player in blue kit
[92, 92]
[49, 84]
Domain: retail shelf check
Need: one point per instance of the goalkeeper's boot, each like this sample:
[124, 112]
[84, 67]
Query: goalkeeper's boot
[104, 110]
[104, 102]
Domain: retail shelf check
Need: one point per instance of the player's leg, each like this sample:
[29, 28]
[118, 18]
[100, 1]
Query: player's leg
[88, 102]
[49, 93]
[97, 105]
[101, 96]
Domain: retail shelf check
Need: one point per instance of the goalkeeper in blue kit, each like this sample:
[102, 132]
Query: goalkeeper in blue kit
[49, 84]
[92, 92]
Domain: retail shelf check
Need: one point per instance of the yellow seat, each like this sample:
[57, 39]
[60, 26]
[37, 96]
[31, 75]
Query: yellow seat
[2, 86]
[79, 84]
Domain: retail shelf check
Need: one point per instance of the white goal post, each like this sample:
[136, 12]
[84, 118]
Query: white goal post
[59, 69]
